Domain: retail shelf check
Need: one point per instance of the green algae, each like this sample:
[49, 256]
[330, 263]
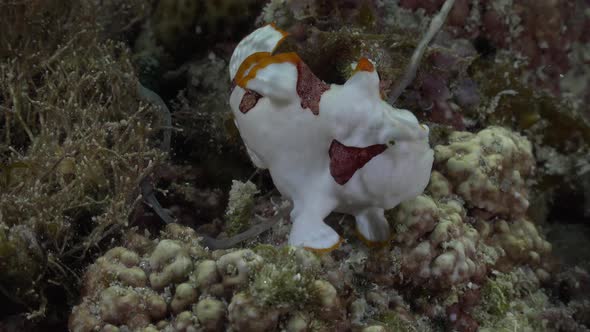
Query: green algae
[284, 281]
[74, 146]
[240, 206]
[496, 297]
[511, 301]
[393, 321]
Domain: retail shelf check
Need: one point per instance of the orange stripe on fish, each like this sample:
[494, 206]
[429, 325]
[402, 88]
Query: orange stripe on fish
[262, 60]
[285, 34]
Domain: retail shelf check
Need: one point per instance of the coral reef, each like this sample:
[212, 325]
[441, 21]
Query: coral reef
[468, 80]
[547, 36]
[452, 260]
[92, 214]
[488, 169]
[455, 233]
[174, 283]
[527, 73]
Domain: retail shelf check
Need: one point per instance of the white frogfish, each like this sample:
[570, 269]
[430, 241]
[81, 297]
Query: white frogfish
[328, 147]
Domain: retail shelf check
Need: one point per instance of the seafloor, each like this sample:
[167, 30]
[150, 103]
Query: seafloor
[128, 201]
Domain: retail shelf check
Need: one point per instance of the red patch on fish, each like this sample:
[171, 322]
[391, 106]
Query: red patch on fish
[346, 160]
[309, 88]
[249, 100]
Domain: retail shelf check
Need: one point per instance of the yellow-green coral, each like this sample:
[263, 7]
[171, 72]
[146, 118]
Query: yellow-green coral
[240, 206]
[436, 244]
[518, 240]
[488, 169]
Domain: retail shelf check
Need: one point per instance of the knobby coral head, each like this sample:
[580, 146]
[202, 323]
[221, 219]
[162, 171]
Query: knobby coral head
[328, 147]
